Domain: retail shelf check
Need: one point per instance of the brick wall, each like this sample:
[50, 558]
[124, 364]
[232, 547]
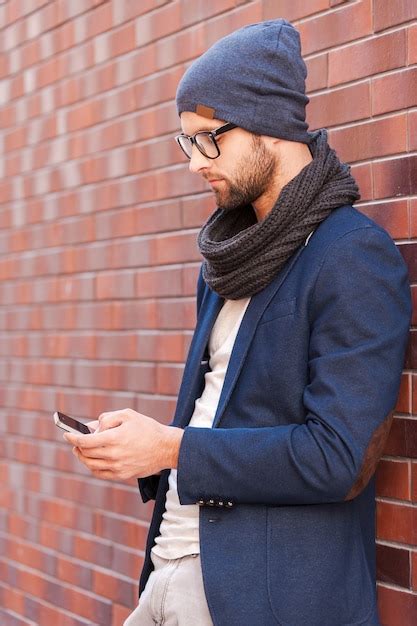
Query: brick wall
[98, 262]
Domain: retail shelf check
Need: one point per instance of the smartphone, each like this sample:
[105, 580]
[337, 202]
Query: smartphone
[70, 424]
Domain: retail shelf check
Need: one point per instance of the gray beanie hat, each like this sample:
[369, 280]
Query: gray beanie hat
[255, 78]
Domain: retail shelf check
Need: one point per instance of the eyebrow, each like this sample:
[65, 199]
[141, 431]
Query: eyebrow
[204, 130]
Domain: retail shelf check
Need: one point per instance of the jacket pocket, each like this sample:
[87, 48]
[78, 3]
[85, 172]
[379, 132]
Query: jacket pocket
[317, 571]
[281, 308]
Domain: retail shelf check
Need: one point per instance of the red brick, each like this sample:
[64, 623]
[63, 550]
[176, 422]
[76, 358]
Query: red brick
[99, 20]
[414, 568]
[412, 130]
[64, 37]
[404, 396]
[197, 209]
[93, 550]
[248, 13]
[7, 116]
[115, 285]
[317, 72]
[51, 71]
[363, 176]
[371, 139]
[159, 23]
[117, 589]
[120, 614]
[184, 45]
[412, 45]
[160, 88]
[396, 607]
[402, 440]
[413, 217]
[127, 11]
[15, 139]
[159, 217]
[394, 92]
[174, 314]
[168, 378]
[17, 87]
[83, 116]
[166, 346]
[175, 248]
[159, 282]
[131, 533]
[4, 66]
[123, 40]
[117, 346]
[393, 565]
[364, 58]
[414, 493]
[414, 393]
[330, 29]
[339, 106]
[396, 522]
[106, 78]
[134, 314]
[203, 11]
[395, 177]
[140, 377]
[393, 216]
[161, 408]
[13, 165]
[30, 53]
[391, 13]
[409, 253]
[393, 479]
[68, 92]
[414, 297]
[94, 170]
[292, 9]
[74, 572]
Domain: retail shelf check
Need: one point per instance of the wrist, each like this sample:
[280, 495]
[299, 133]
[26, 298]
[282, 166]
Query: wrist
[171, 447]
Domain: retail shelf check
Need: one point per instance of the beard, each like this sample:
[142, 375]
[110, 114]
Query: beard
[253, 178]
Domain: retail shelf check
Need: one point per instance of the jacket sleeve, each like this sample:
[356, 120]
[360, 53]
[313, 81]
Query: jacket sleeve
[148, 486]
[359, 313]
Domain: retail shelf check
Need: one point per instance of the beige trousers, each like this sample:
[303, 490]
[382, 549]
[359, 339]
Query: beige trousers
[173, 596]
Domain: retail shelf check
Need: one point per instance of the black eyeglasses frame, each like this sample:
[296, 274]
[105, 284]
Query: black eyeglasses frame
[211, 133]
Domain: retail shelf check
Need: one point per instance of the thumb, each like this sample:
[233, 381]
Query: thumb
[109, 420]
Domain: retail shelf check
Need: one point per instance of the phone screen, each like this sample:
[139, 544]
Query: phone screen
[73, 423]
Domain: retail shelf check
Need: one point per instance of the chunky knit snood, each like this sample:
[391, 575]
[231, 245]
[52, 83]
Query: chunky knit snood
[242, 255]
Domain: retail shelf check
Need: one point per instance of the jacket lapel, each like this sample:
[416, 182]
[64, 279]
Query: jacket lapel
[198, 354]
[247, 329]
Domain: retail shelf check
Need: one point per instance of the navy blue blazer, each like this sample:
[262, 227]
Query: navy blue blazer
[285, 478]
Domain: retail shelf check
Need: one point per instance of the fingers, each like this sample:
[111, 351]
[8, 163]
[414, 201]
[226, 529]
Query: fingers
[92, 462]
[96, 441]
[105, 422]
[112, 419]
[100, 468]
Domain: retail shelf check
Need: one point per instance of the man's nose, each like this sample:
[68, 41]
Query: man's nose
[198, 161]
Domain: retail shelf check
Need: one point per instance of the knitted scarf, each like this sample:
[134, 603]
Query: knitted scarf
[242, 255]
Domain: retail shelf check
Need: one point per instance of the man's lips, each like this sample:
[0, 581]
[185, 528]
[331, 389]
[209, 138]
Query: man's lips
[215, 180]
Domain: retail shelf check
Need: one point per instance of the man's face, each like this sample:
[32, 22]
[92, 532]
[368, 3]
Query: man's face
[245, 168]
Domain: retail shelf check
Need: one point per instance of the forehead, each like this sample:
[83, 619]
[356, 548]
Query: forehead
[192, 123]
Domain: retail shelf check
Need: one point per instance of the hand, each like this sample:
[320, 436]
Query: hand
[127, 444]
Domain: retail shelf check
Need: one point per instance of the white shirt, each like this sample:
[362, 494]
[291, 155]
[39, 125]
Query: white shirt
[179, 530]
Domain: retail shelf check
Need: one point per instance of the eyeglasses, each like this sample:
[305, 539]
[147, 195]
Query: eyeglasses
[205, 140]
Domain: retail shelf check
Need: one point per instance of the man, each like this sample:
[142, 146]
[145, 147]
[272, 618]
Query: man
[264, 483]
